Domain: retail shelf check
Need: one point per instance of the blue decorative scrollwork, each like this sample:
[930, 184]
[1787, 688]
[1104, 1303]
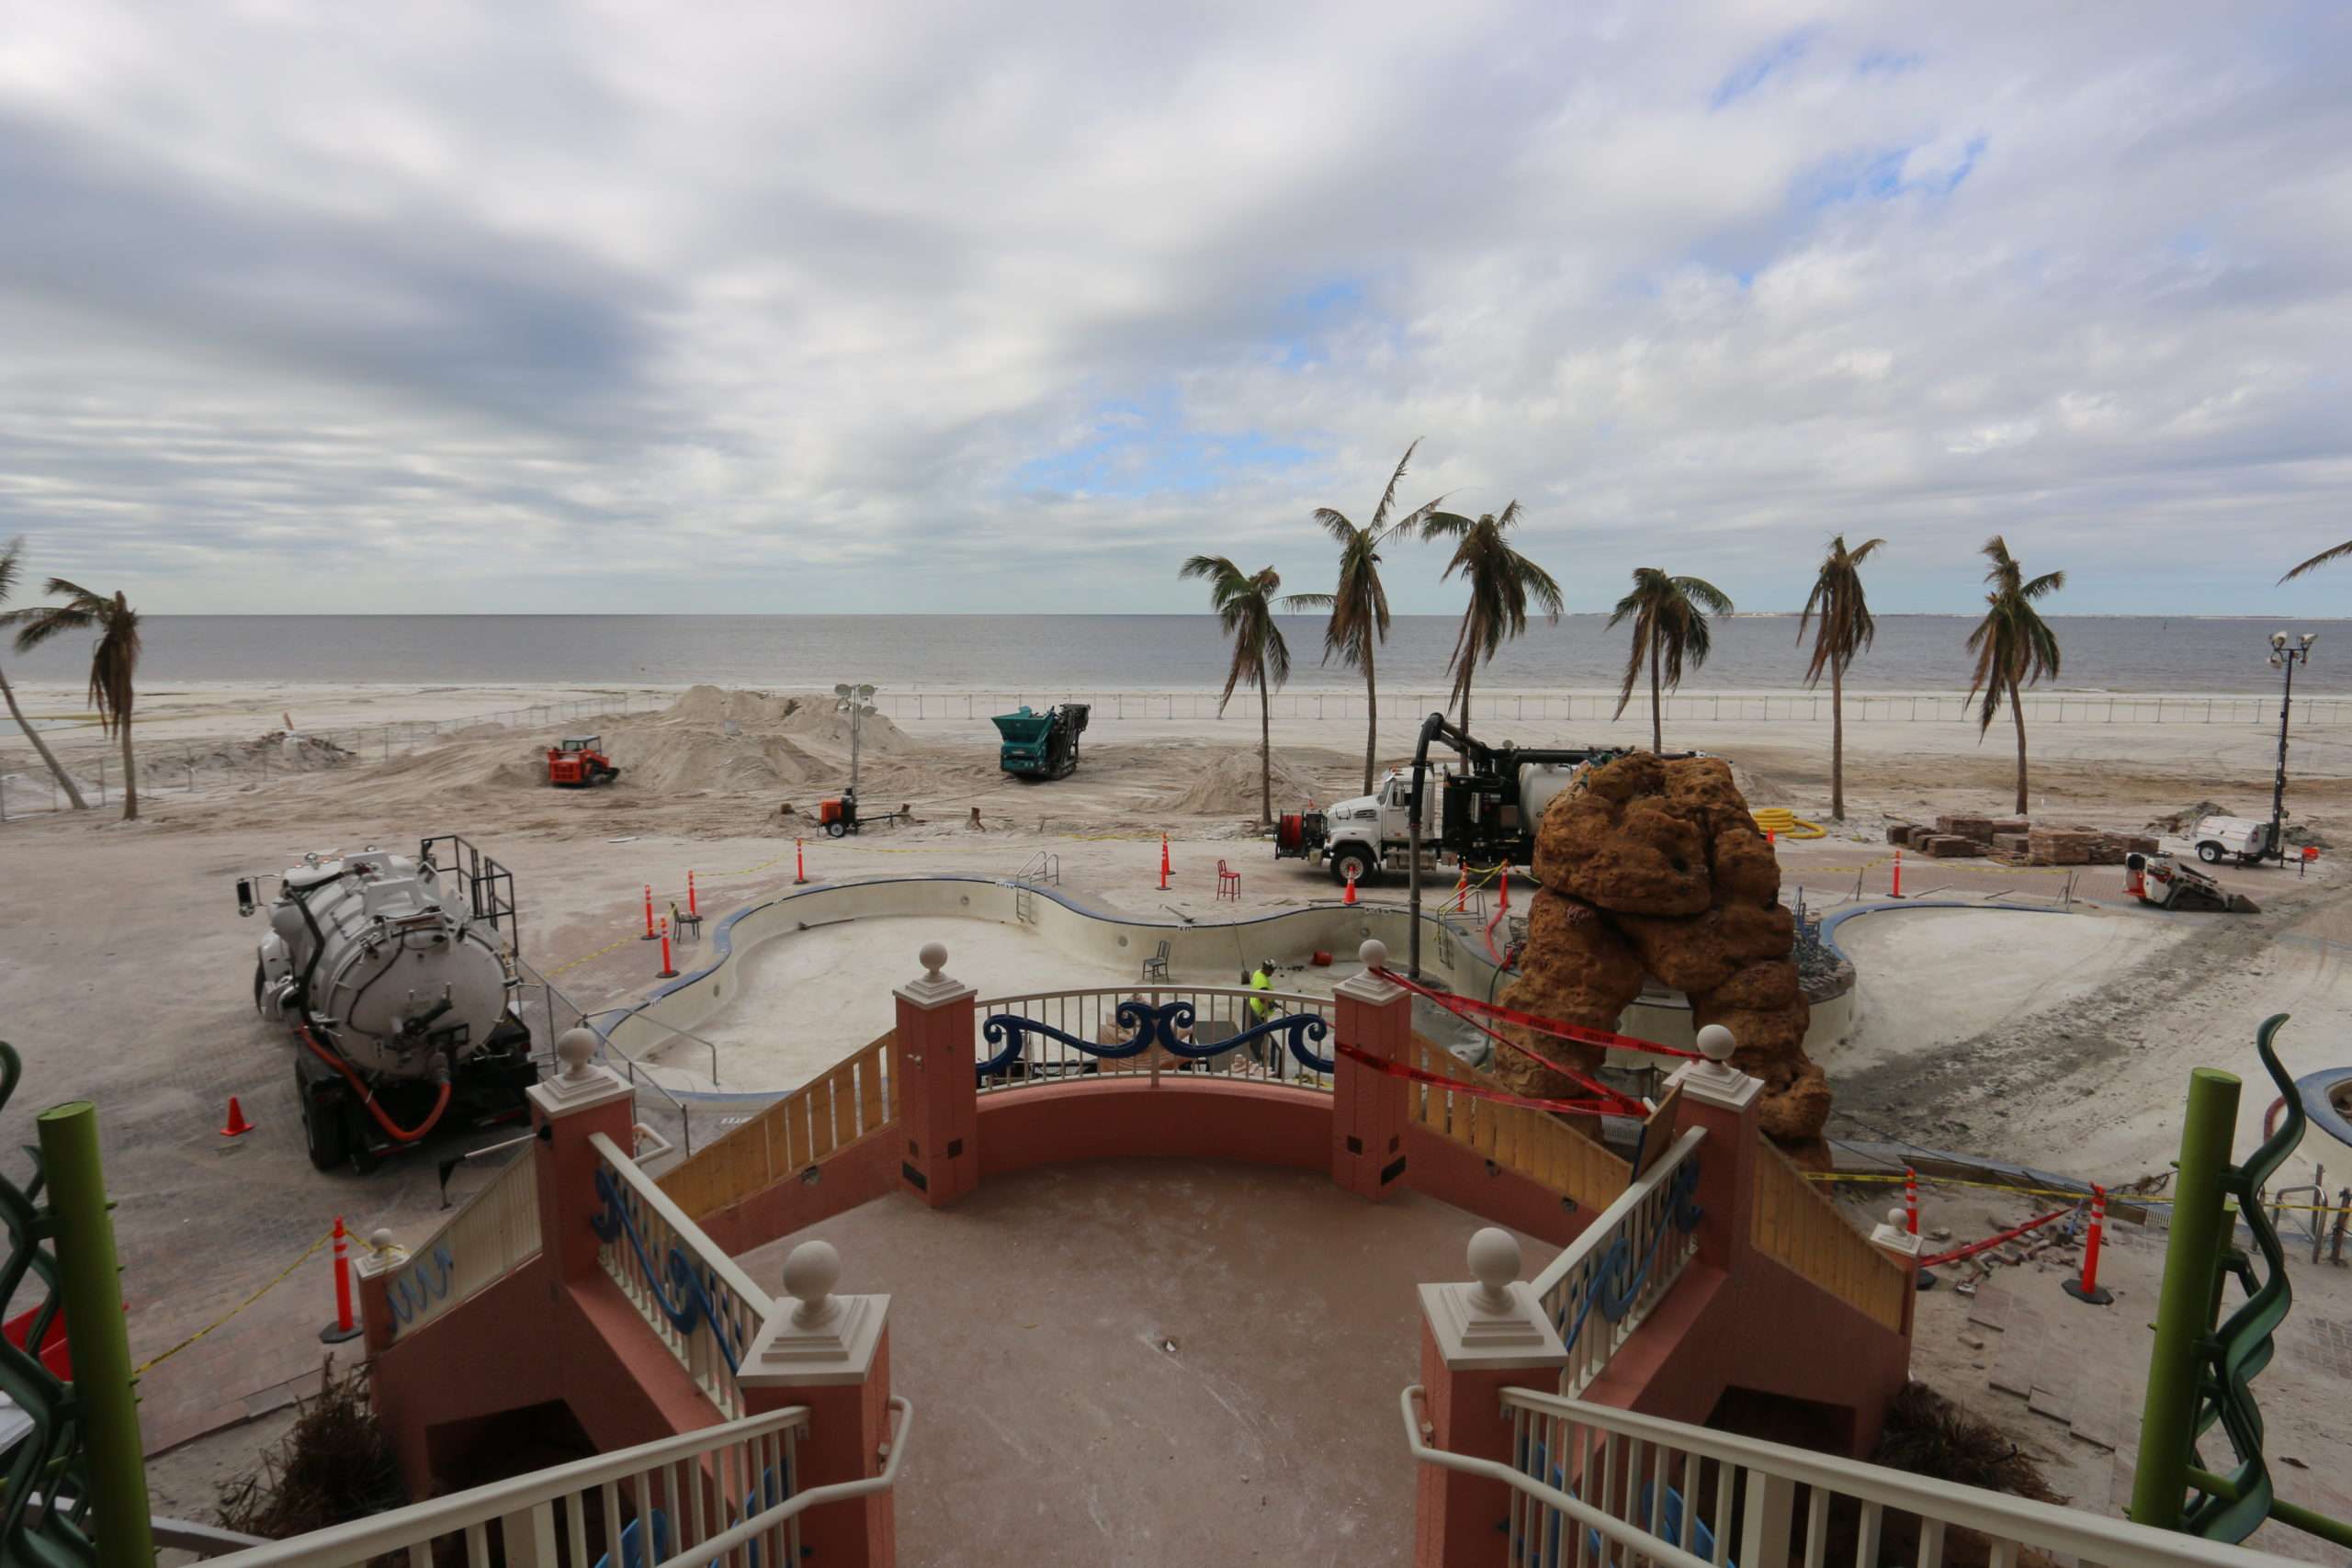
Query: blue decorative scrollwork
[694, 1306]
[1616, 1285]
[1165, 1026]
[416, 1292]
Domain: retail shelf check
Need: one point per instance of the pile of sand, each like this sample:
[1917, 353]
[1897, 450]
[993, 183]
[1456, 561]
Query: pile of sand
[810, 718]
[276, 752]
[1226, 784]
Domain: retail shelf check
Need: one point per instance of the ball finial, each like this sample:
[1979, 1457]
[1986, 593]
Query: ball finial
[811, 1272]
[1895, 1220]
[1715, 1044]
[575, 1048]
[380, 1240]
[1494, 1263]
[1373, 953]
[934, 958]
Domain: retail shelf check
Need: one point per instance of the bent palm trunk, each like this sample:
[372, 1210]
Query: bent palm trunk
[2017, 712]
[129, 776]
[1265, 749]
[1657, 719]
[56, 769]
[1837, 743]
[1370, 719]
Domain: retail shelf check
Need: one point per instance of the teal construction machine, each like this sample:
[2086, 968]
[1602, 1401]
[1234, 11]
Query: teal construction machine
[1041, 745]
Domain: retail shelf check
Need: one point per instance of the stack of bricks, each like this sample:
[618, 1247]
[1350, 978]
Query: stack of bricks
[2017, 846]
[1946, 846]
[2062, 846]
[1900, 832]
[1978, 829]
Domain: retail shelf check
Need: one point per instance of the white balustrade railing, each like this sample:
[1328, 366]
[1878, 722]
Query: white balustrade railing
[1595, 1485]
[725, 1495]
[495, 1233]
[1219, 1012]
[693, 1296]
[1601, 1286]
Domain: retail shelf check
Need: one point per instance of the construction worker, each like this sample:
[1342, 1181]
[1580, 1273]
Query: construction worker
[1261, 980]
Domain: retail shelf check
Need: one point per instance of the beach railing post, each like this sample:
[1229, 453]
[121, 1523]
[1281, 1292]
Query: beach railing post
[1372, 1026]
[1723, 1100]
[1904, 1246]
[831, 1353]
[1478, 1339]
[935, 1065]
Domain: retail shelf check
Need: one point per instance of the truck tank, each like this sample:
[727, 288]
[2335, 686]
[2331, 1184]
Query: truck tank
[396, 970]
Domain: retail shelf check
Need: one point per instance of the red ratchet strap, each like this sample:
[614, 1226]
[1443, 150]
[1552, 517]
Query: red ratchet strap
[1464, 1005]
[1480, 1091]
[1973, 1248]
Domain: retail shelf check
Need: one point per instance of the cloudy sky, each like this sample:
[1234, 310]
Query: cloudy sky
[879, 307]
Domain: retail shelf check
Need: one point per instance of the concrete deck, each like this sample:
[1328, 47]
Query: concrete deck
[1152, 1361]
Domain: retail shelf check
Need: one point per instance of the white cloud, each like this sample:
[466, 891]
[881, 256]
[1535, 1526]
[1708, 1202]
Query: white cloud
[900, 306]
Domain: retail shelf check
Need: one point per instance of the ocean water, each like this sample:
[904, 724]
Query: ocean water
[1048, 653]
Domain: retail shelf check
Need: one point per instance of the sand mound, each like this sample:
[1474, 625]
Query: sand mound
[1226, 785]
[276, 752]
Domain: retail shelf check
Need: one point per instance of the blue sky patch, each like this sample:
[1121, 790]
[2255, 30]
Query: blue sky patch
[1141, 449]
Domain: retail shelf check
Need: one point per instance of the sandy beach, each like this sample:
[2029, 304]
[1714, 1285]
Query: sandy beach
[2062, 1044]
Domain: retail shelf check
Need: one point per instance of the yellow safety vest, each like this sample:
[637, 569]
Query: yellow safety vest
[1260, 981]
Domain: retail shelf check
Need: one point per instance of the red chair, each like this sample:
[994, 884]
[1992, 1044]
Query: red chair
[1229, 882]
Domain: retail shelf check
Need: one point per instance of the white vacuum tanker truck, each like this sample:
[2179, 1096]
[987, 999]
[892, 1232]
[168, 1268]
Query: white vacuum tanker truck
[397, 975]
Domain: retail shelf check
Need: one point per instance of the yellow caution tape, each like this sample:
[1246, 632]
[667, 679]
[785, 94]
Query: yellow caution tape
[274, 1280]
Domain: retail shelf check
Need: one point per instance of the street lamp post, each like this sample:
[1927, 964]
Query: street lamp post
[857, 701]
[2285, 654]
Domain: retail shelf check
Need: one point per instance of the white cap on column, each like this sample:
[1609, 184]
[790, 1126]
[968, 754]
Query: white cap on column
[814, 1339]
[1713, 1078]
[935, 986]
[1496, 1322]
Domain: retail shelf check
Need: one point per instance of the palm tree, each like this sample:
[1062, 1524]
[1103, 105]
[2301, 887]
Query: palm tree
[1669, 626]
[2014, 646]
[1360, 606]
[1846, 629]
[2336, 552]
[114, 661]
[1501, 581]
[12, 561]
[1245, 606]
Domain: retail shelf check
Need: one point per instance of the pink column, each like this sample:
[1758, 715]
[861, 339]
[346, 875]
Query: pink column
[938, 1091]
[831, 1353]
[1719, 1096]
[1477, 1340]
[1374, 1016]
[565, 1110]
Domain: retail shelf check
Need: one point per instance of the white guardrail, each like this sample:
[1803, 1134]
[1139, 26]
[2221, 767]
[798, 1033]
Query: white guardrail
[1219, 1012]
[690, 1292]
[1601, 1286]
[495, 1233]
[722, 1495]
[1595, 1485]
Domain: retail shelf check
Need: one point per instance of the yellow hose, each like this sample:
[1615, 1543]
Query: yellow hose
[1783, 823]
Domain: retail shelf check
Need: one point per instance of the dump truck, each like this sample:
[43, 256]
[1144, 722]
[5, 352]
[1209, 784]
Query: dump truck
[1039, 746]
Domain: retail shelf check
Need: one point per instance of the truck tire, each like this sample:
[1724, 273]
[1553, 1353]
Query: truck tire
[836, 829]
[364, 1158]
[257, 985]
[322, 1126]
[2209, 853]
[1355, 855]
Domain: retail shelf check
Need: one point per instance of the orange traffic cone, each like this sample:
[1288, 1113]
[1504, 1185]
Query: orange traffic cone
[1163, 863]
[237, 1126]
[1350, 895]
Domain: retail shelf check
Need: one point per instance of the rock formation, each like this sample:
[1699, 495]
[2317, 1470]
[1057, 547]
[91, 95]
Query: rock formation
[1655, 868]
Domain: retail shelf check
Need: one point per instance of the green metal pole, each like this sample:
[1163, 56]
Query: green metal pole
[2184, 1310]
[92, 1284]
